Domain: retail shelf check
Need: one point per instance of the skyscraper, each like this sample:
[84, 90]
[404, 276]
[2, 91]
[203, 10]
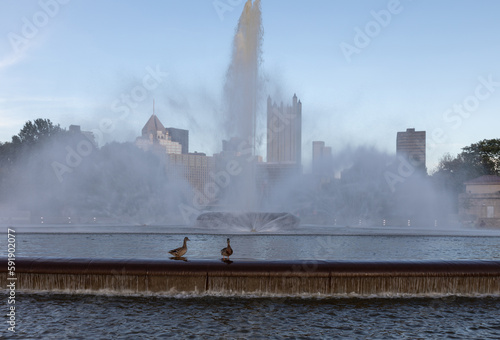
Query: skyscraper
[411, 145]
[172, 142]
[154, 135]
[318, 147]
[180, 136]
[322, 162]
[196, 169]
[284, 132]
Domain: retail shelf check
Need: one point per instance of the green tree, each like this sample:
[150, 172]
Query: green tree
[36, 131]
[32, 137]
[478, 159]
[483, 157]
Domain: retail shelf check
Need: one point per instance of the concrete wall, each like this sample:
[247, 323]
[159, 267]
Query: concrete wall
[481, 210]
[482, 188]
[256, 277]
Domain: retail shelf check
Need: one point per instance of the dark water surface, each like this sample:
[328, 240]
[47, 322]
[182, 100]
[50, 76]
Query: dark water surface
[54, 316]
[330, 244]
[110, 316]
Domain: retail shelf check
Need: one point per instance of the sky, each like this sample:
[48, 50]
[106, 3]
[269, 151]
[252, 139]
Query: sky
[363, 70]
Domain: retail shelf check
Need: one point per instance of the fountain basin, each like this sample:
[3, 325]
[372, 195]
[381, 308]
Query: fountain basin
[325, 278]
[248, 221]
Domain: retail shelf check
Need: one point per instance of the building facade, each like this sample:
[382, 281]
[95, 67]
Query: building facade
[322, 162]
[284, 132]
[180, 136]
[173, 142]
[411, 145]
[480, 204]
[155, 137]
[195, 167]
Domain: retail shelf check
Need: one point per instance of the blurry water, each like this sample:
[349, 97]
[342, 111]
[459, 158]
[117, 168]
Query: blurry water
[100, 316]
[155, 243]
[53, 316]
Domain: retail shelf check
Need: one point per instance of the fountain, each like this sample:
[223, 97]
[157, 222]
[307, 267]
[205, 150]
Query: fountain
[322, 267]
[251, 221]
[119, 279]
[241, 93]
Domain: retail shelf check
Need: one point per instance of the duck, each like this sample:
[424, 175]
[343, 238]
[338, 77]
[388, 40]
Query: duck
[178, 252]
[228, 251]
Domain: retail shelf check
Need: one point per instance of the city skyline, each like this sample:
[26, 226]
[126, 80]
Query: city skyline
[284, 132]
[364, 71]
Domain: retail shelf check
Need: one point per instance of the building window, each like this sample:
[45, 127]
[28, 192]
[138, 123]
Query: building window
[490, 211]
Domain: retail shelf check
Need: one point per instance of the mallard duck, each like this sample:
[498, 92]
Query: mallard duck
[178, 252]
[228, 251]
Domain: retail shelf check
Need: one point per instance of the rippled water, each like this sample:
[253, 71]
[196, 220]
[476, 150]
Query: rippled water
[155, 243]
[53, 316]
[80, 316]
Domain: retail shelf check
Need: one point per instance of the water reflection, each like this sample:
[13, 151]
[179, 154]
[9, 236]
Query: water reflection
[58, 316]
[259, 246]
[179, 258]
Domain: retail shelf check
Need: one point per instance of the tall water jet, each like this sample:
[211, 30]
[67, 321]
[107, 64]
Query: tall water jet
[241, 92]
[242, 85]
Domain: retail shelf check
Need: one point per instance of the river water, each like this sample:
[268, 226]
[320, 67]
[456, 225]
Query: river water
[111, 316]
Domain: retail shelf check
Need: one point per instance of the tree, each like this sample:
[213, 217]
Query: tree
[484, 156]
[478, 159]
[13, 154]
[36, 131]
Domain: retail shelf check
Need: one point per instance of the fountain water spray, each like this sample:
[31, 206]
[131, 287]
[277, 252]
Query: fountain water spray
[241, 92]
[242, 85]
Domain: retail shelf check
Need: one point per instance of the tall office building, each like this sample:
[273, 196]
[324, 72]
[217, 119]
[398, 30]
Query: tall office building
[284, 132]
[322, 162]
[180, 136]
[318, 147]
[155, 136]
[411, 145]
[196, 169]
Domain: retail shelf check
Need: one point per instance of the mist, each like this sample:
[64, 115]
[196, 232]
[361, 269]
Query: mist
[71, 178]
[362, 186]
[68, 180]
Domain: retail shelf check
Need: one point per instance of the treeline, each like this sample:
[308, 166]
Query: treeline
[478, 159]
[51, 171]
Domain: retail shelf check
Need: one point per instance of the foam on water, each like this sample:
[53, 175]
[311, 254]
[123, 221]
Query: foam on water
[253, 295]
[248, 221]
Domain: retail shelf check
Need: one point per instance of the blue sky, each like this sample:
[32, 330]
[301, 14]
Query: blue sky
[364, 70]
